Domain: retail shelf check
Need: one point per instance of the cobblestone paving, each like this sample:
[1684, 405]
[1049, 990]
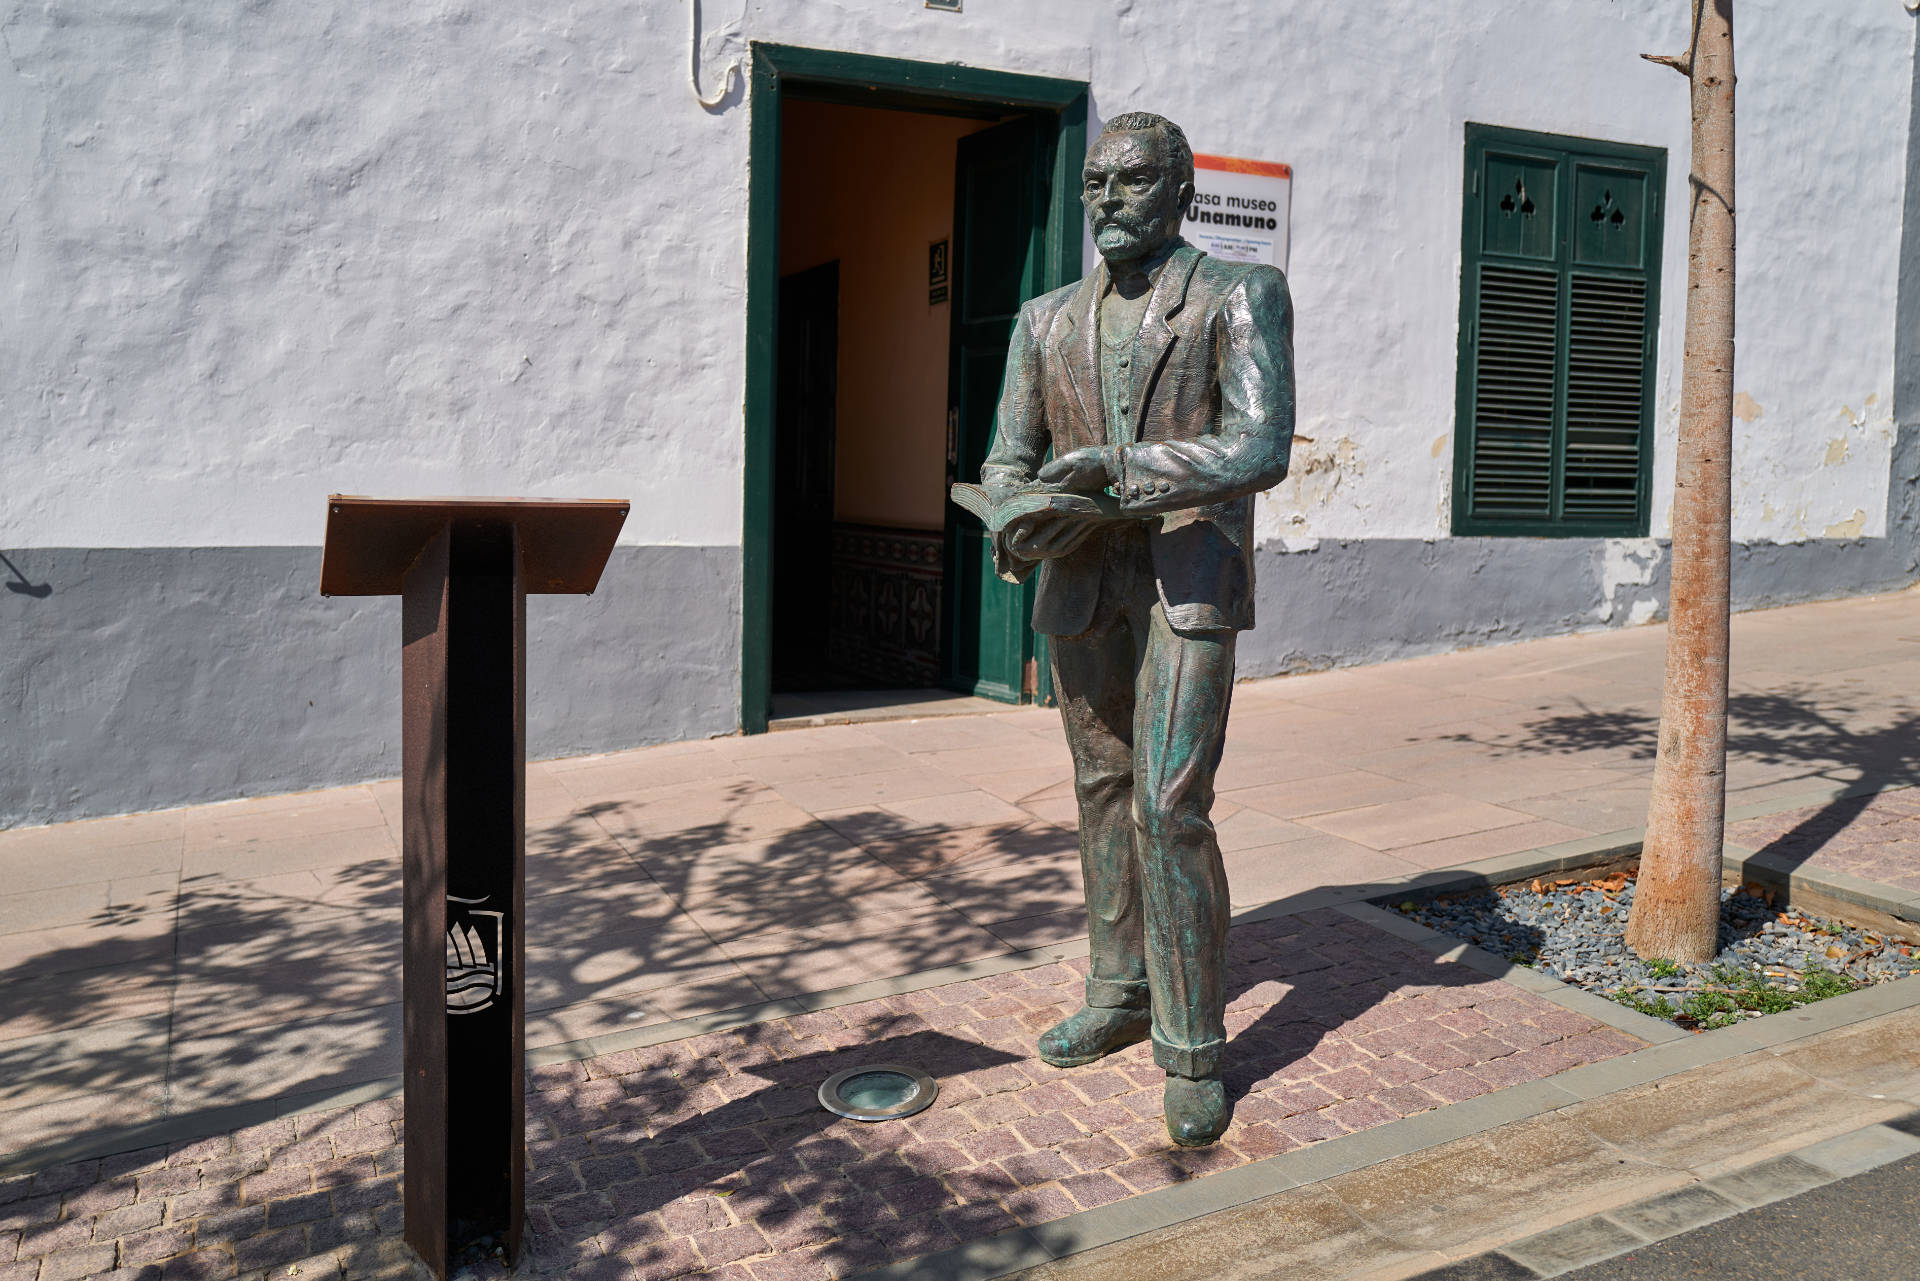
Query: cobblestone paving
[711, 1156]
[1876, 838]
[160, 964]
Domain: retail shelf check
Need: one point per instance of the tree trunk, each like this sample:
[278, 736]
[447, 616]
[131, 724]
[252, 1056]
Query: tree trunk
[1676, 906]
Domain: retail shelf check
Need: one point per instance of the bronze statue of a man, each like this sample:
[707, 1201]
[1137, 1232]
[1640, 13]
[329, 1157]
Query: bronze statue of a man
[1165, 380]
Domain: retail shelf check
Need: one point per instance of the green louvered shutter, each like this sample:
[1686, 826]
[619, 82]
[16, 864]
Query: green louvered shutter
[1558, 321]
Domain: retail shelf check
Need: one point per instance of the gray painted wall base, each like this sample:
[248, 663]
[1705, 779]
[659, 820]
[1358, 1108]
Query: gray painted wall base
[145, 678]
[1345, 603]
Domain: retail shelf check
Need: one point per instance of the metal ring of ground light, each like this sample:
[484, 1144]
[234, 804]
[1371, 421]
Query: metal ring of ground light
[925, 1091]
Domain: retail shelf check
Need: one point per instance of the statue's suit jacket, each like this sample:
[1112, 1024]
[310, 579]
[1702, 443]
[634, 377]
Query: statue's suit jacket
[1212, 424]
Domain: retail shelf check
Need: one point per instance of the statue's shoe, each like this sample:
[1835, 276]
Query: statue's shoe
[1197, 1111]
[1089, 1034]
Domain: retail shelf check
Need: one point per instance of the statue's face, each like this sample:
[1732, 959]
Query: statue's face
[1134, 198]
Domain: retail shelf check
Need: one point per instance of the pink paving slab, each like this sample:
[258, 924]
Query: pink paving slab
[712, 1156]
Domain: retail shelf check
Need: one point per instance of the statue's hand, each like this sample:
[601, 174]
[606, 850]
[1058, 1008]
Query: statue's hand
[1084, 470]
[1046, 539]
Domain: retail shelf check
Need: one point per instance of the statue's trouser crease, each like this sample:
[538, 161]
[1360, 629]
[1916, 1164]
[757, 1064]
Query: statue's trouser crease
[1146, 717]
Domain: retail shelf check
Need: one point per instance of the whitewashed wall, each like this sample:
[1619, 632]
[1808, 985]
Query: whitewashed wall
[258, 251]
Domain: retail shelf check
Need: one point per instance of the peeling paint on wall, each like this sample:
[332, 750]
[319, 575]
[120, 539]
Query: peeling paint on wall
[443, 247]
[1745, 408]
[1849, 528]
[1804, 479]
[1627, 564]
[1315, 478]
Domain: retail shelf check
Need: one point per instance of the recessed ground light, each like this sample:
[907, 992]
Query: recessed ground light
[878, 1092]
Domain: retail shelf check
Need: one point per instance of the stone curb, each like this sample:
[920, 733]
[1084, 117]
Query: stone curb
[1673, 1051]
[1602, 1236]
[1778, 872]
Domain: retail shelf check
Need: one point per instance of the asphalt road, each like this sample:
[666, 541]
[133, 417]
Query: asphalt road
[1866, 1228]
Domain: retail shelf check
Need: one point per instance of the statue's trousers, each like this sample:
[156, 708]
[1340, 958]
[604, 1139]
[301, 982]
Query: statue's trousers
[1146, 718]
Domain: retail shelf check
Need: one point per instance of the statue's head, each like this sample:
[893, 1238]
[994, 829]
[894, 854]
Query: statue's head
[1137, 184]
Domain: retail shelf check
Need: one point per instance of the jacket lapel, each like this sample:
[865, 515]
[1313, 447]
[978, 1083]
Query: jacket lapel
[1155, 340]
[1079, 347]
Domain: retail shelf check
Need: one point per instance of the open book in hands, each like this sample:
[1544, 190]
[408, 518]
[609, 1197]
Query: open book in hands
[1038, 522]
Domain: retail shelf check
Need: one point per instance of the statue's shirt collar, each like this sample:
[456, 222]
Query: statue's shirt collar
[1149, 267]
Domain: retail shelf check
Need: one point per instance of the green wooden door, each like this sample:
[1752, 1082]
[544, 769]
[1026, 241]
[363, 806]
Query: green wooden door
[999, 217]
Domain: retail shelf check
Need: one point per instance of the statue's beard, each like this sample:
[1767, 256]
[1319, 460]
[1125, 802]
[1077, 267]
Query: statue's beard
[1136, 235]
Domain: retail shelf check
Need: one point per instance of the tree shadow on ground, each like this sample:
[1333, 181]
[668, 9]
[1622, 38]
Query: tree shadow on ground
[232, 992]
[1794, 727]
[743, 908]
[623, 1165]
[105, 1020]
[687, 1133]
[748, 1131]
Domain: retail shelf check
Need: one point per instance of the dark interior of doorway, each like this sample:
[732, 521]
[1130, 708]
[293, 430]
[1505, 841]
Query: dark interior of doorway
[862, 549]
[803, 485]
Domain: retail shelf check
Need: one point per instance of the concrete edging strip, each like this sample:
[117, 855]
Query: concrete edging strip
[1603, 1236]
[1674, 1052]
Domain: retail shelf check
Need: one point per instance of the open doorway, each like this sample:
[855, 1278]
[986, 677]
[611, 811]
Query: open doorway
[912, 209]
[860, 415]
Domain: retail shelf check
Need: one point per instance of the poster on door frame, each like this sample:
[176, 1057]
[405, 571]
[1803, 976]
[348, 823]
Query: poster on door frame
[1240, 209]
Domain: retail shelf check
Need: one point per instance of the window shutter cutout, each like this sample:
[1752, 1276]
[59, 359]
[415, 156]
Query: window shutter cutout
[1606, 383]
[1513, 393]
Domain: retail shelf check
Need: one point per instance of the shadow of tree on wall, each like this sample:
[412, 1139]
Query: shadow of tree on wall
[1820, 738]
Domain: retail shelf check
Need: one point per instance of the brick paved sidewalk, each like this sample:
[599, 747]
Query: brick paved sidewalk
[164, 964]
[712, 1156]
[1876, 837]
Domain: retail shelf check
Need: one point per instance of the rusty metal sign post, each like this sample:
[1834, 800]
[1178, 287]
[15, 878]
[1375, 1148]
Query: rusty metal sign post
[463, 568]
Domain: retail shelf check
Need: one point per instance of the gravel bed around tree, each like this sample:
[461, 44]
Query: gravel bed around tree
[1574, 930]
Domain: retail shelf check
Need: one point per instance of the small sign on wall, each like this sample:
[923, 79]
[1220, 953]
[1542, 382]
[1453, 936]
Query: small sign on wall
[937, 273]
[1240, 209]
[950, 6]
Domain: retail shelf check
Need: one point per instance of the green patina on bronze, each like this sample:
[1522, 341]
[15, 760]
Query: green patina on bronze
[1165, 380]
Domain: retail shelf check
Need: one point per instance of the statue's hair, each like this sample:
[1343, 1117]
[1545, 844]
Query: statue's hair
[1141, 121]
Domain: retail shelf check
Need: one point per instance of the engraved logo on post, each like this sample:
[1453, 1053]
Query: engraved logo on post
[474, 960]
